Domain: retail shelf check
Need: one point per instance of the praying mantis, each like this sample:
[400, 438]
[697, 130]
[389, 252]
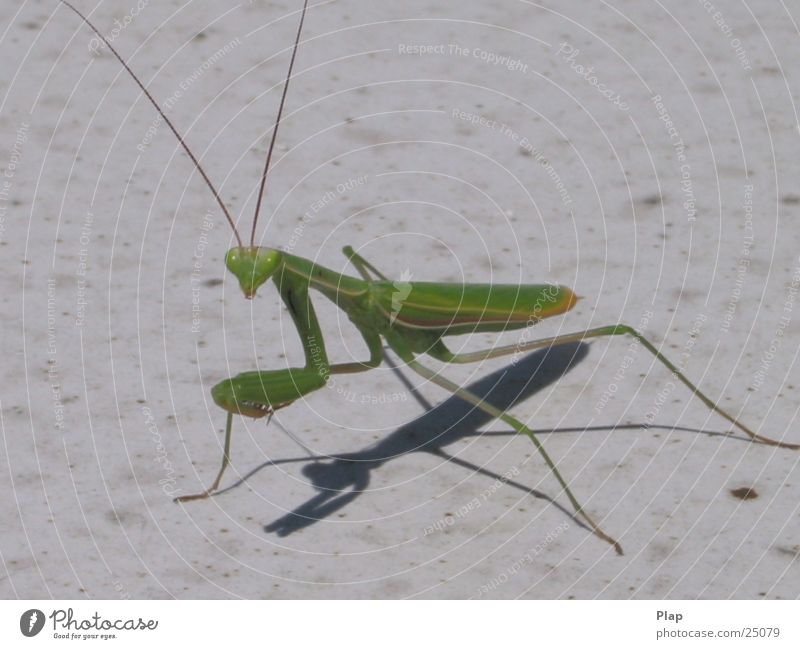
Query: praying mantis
[411, 318]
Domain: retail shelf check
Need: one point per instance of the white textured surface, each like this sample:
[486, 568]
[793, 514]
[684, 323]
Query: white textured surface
[84, 512]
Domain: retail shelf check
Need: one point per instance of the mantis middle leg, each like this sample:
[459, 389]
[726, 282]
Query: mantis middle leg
[398, 344]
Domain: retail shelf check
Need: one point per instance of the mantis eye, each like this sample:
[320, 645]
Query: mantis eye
[252, 266]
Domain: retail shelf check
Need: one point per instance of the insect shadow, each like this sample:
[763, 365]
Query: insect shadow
[341, 479]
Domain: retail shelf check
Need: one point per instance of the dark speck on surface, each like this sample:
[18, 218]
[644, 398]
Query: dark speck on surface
[744, 493]
[654, 199]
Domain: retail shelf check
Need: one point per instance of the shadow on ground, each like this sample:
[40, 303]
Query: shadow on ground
[341, 479]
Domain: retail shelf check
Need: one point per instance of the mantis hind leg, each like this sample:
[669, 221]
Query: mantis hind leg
[226, 459]
[440, 352]
[397, 343]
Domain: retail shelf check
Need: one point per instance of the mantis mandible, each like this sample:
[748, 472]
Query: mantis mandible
[412, 326]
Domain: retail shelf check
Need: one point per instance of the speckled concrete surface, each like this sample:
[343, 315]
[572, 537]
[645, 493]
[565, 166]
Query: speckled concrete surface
[661, 184]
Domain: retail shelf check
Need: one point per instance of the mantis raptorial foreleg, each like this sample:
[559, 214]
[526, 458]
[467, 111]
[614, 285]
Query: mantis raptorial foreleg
[314, 375]
[398, 345]
[296, 297]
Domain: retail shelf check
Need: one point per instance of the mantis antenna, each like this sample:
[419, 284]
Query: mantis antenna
[185, 146]
[277, 123]
[182, 142]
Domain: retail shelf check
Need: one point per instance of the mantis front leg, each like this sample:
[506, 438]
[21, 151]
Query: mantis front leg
[296, 297]
[258, 394]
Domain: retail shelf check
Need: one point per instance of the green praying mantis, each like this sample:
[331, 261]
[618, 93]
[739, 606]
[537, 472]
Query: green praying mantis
[412, 318]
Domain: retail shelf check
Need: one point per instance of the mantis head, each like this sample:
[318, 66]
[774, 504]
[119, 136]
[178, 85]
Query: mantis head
[252, 266]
